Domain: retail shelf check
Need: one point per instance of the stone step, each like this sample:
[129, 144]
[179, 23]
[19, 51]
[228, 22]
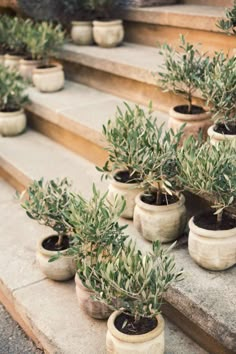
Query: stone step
[74, 117]
[128, 71]
[203, 305]
[155, 25]
[48, 311]
[225, 3]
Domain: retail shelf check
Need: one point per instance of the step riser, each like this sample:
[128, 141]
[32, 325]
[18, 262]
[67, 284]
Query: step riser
[128, 89]
[224, 3]
[85, 148]
[153, 35]
[20, 181]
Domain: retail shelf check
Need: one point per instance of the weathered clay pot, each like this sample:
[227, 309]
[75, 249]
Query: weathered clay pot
[164, 223]
[127, 190]
[215, 137]
[92, 307]
[12, 123]
[61, 269]
[213, 250]
[12, 61]
[194, 122]
[117, 342]
[27, 66]
[82, 32]
[108, 34]
[49, 79]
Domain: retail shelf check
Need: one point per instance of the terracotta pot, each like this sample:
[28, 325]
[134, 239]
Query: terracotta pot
[12, 123]
[194, 122]
[61, 269]
[49, 79]
[160, 222]
[117, 342]
[108, 34]
[92, 307]
[213, 250]
[82, 32]
[12, 61]
[26, 68]
[215, 137]
[127, 190]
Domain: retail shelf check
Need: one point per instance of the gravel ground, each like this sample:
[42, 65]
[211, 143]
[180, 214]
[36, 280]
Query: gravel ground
[12, 339]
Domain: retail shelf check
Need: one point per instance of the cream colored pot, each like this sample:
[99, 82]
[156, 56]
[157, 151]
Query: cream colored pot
[213, 250]
[160, 222]
[61, 269]
[82, 32]
[27, 66]
[12, 123]
[49, 79]
[92, 307]
[128, 191]
[216, 138]
[152, 342]
[194, 122]
[108, 34]
[12, 61]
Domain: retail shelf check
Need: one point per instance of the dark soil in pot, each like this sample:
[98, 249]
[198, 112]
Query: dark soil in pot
[10, 110]
[50, 243]
[124, 177]
[165, 199]
[221, 128]
[46, 66]
[144, 325]
[183, 109]
[208, 221]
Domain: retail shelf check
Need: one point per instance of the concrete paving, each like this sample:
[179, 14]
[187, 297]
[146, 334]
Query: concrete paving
[12, 339]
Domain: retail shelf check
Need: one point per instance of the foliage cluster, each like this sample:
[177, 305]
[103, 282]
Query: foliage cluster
[132, 282]
[12, 90]
[183, 70]
[229, 24]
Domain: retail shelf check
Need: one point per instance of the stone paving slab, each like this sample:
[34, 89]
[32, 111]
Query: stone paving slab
[206, 298]
[49, 308]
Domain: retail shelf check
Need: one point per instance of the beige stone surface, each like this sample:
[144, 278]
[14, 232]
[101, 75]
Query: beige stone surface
[181, 15]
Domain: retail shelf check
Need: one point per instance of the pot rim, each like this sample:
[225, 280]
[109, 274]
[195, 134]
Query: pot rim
[12, 56]
[30, 61]
[190, 117]
[82, 23]
[219, 136]
[123, 185]
[42, 250]
[107, 23]
[140, 338]
[159, 208]
[11, 114]
[79, 283]
[56, 67]
[210, 233]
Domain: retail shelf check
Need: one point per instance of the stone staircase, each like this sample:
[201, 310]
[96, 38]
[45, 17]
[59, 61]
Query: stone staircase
[64, 139]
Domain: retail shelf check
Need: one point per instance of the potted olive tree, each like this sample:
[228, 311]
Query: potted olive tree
[46, 203]
[210, 172]
[3, 37]
[95, 229]
[12, 101]
[42, 43]
[78, 12]
[182, 73]
[133, 285]
[107, 32]
[15, 29]
[160, 212]
[219, 89]
[126, 137]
